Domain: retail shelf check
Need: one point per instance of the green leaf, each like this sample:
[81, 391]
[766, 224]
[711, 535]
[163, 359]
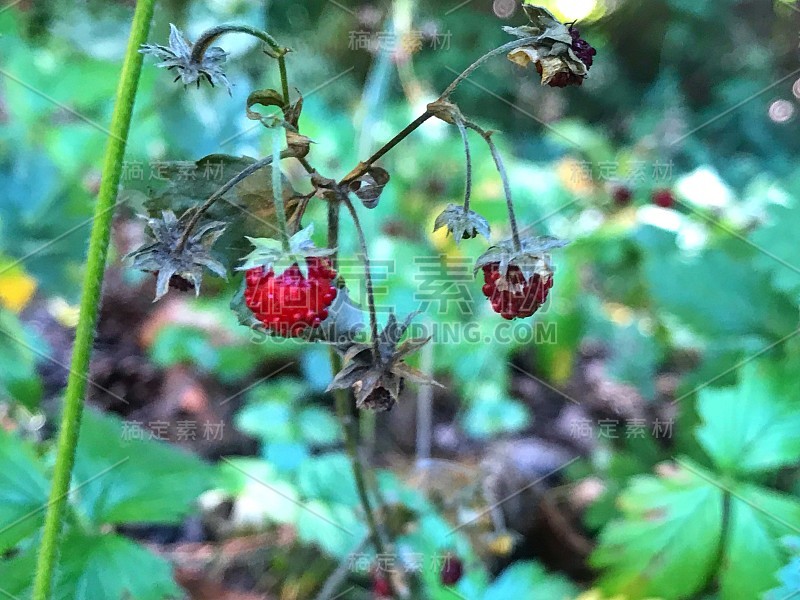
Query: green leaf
[750, 428]
[318, 426]
[18, 377]
[673, 539]
[333, 527]
[779, 257]
[667, 542]
[123, 479]
[679, 285]
[528, 580]
[270, 421]
[493, 415]
[789, 575]
[23, 491]
[328, 477]
[96, 566]
[248, 208]
[758, 519]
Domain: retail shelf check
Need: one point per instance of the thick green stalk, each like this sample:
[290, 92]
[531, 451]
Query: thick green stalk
[90, 300]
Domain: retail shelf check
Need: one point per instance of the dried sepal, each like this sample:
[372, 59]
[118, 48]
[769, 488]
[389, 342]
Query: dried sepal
[553, 52]
[178, 56]
[179, 267]
[369, 187]
[378, 380]
[270, 254]
[533, 257]
[461, 223]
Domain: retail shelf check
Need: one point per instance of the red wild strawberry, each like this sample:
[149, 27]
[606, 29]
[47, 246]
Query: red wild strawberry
[663, 198]
[452, 570]
[290, 303]
[380, 586]
[514, 296]
[622, 195]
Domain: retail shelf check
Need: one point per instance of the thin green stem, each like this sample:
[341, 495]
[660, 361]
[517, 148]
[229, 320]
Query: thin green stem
[349, 427]
[209, 36]
[363, 166]
[277, 51]
[90, 300]
[373, 315]
[277, 187]
[468, 185]
[236, 179]
[501, 169]
[474, 66]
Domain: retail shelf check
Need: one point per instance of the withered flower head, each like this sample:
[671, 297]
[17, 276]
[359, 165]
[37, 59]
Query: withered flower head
[178, 56]
[180, 268]
[378, 380]
[559, 54]
[463, 224]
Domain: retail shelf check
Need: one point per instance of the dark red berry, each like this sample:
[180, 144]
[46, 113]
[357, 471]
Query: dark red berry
[289, 303]
[622, 195]
[452, 570]
[663, 198]
[380, 586]
[582, 49]
[514, 296]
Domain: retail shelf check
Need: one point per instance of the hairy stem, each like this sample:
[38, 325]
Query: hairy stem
[90, 299]
[363, 166]
[468, 185]
[373, 315]
[501, 169]
[474, 66]
[277, 188]
[208, 37]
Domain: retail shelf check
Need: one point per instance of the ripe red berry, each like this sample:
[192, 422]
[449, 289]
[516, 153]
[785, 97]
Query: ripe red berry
[290, 303]
[452, 570]
[380, 586]
[663, 198]
[515, 296]
[622, 195]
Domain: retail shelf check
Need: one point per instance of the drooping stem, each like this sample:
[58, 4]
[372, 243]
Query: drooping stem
[373, 315]
[333, 233]
[363, 166]
[349, 426]
[468, 185]
[90, 299]
[233, 181]
[501, 169]
[279, 52]
[277, 187]
[474, 66]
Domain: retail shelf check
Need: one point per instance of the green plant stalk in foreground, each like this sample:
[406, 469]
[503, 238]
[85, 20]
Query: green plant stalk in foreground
[90, 300]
